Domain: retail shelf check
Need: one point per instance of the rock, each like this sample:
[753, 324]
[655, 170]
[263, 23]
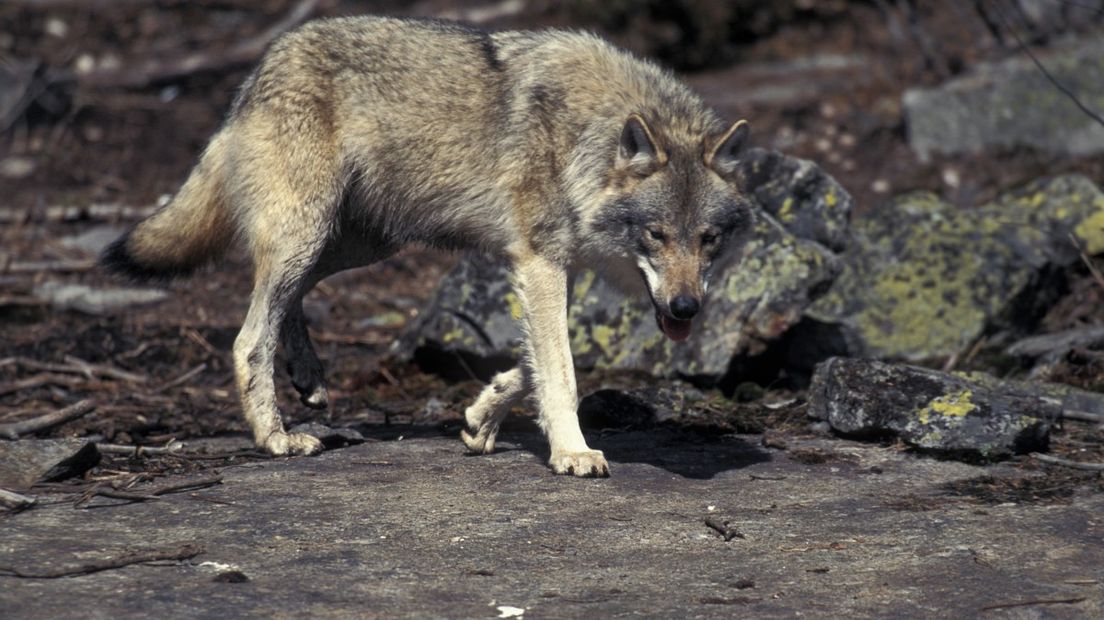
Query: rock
[953, 415]
[924, 279]
[471, 324]
[331, 438]
[1011, 104]
[801, 196]
[98, 301]
[27, 462]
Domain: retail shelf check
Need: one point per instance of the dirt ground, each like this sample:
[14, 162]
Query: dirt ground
[446, 532]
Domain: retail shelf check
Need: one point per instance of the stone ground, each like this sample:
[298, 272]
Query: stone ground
[414, 528]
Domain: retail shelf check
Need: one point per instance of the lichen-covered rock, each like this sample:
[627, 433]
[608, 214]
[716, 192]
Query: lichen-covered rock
[471, 324]
[801, 196]
[924, 278]
[1013, 104]
[952, 414]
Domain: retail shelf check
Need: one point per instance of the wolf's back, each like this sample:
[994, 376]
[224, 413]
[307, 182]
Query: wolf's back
[193, 229]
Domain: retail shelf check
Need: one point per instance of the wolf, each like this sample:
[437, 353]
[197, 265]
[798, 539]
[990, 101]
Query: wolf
[549, 150]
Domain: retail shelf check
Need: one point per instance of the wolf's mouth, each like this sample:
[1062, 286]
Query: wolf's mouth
[675, 329]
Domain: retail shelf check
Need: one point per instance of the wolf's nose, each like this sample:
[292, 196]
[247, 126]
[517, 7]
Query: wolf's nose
[684, 307]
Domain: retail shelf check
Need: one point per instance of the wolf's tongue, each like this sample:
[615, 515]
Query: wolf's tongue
[674, 329]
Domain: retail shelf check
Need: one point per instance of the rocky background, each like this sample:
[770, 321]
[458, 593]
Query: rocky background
[926, 273]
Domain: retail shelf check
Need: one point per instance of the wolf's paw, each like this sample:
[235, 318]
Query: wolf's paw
[317, 398]
[588, 464]
[482, 442]
[281, 444]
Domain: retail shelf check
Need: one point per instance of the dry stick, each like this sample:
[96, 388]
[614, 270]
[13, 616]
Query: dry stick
[77, 366]
[722, 528]
[155, 70]
[183, 551]
[32, 382]
[1097, 276]
[155, 494]
[1046, 458]
[1083, 416]
[1041, 601]
[182, 378]
[61, 416]
[70, 213]
[12, 499]
[174, 447]
[59, 266]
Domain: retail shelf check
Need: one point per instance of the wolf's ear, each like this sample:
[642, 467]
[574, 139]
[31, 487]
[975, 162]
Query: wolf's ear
[638, 150]
[723, 157]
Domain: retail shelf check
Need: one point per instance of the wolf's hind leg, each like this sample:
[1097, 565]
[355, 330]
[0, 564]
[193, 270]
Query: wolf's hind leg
[485, 415]
[303, 364]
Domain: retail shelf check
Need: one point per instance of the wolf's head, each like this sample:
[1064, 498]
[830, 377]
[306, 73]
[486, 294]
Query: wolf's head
[674, 206]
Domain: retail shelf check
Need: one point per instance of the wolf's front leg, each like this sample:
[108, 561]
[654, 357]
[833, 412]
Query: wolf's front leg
[542, 287]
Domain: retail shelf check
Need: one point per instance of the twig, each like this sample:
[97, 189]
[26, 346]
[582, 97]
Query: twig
[14, 500]
[1042, 69]
[1041, 601]
[173, 447]
[722, 528]
[77, 366]
[1083, 416]
[160, 70]
[72, 213]
[60, 266]
[184, 378]
[32, 382]
[80, 409]
[1097, 276]
[154, 494]
[1053, 460]
[1057, 342]
[183, 551]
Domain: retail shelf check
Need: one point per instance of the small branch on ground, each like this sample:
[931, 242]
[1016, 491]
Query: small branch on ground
[722, 528]
[151, 494]
[183, 551]
[184, 378]
[71, 213]
[80, 409]
[1053, 460]
[56, 266]
[1097, 276]
[15, 501]
[172, 447]
[1082, 416]
[34, 381]
[1041, 601]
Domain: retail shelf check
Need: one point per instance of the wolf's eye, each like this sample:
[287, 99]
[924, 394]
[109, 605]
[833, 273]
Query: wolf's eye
[657, 234]
[709, 239]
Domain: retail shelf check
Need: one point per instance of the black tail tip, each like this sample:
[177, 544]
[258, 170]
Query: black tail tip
[117, 259]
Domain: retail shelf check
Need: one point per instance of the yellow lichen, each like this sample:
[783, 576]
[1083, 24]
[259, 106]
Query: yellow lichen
[1090, 232]
[786, 212]
[583, 284]
[515, 305]
[956, 405]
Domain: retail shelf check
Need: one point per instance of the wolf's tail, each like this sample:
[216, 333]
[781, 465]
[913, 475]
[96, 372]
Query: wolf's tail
[193, 229]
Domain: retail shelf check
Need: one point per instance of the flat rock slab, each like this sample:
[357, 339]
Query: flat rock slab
[414, 529]
[28, 461]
